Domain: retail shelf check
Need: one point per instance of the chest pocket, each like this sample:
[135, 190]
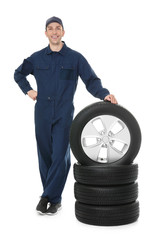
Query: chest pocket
[40, 67]
[66, 73]
[42, 72]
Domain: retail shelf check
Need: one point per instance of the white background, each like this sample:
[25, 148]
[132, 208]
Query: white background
[123, 42]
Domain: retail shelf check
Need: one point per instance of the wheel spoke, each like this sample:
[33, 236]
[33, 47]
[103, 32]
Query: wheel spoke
[108, 122]
[93, 150]
[122, 136]
[90, 141]
[90, 130]
[113, 154]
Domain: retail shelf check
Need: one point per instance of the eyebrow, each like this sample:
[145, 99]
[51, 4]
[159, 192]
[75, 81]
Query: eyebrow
[56, 26]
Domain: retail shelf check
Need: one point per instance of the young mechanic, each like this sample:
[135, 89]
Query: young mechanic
[56, 69]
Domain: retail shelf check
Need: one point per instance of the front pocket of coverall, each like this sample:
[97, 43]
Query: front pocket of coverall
[67, 74]
[42, 72]
[42, 67]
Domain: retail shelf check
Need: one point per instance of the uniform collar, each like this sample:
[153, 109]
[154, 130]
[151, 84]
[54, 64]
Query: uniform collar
[62, 51]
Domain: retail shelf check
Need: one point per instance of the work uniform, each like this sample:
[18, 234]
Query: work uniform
[56, 75]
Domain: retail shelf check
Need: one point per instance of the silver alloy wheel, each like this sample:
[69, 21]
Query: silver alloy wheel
[105, 139]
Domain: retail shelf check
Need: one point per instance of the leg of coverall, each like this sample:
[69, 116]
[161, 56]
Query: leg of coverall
[60, 166]
[43, 137]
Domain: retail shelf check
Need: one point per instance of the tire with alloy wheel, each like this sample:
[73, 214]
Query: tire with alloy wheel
[100, 175]
[105, 133]
[107, 215]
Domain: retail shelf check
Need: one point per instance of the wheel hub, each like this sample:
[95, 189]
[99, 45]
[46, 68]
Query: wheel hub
[105, 139]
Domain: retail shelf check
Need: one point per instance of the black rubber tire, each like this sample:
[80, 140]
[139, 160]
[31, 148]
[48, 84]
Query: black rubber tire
[115, 195]
[100, 175]
[107, 215]
[104, 108]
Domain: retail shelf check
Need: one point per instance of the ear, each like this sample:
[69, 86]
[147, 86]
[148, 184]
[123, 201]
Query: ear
[46, 33]
[63, 33]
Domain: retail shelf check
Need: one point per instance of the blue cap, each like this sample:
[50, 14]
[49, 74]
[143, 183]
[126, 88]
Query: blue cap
[54, 19]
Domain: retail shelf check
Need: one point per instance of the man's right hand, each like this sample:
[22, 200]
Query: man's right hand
[32, 94]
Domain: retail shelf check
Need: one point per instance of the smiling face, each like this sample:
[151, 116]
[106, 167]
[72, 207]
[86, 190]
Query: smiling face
[54, 33]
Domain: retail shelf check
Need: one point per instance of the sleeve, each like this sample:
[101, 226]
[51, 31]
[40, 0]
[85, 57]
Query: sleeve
[92, 82]
[21, 73]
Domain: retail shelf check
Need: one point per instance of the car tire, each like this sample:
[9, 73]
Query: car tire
[106, 134]
[100, 175]
[99, 195]
[107, 215]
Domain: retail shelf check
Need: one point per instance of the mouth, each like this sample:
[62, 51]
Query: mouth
[54, 37]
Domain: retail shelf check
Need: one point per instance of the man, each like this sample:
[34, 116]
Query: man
[56, 69]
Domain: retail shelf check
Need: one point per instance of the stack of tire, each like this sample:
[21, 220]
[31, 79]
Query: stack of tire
[105, 139]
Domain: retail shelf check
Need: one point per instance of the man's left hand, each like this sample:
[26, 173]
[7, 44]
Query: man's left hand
[111, 98]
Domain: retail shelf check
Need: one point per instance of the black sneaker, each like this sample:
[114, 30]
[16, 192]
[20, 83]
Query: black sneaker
[53, 208]
[42, 205]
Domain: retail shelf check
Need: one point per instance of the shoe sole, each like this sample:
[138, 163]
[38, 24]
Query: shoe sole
[50, 214]
[41, 213]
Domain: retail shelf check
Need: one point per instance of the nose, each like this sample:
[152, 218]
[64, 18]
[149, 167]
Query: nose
[54, 31]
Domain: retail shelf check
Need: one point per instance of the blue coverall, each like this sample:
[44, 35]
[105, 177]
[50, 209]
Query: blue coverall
[56, 75]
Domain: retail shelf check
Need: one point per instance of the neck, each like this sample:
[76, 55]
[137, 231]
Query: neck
[56, 47]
